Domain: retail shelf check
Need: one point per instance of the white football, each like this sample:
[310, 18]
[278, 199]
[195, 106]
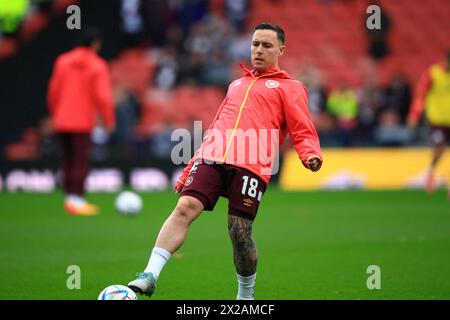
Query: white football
[117, 292]
[129, 203]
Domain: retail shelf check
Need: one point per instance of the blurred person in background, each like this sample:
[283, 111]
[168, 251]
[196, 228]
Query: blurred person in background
[132, 22]
[79, 90]
[432, 94]
[237, 13]
[378, 38]
[127, 113]
[12, 14]
[187, 13]
[156, 14]
[197, 47]
[391, 106]
[219, 61]
[397, 96]
[370, 100]
[323, 121]
[167, 68]
[343, 104]
[312, 78]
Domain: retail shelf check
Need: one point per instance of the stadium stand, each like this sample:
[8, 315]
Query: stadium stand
[331, 35]
[328, 36]
[32, 17]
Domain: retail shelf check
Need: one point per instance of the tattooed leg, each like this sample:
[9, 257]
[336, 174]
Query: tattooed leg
[244, 246]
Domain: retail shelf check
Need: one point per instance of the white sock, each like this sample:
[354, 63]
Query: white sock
[157, 260]
[246, 288]
[75, 199]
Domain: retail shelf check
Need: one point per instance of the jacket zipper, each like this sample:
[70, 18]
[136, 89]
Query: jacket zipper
[239, 116]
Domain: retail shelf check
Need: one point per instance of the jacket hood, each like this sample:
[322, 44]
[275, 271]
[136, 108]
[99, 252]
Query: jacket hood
[273, 72]
[81, 57]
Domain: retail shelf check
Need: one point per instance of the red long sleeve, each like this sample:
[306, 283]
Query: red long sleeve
[420, 94]
[299, 125]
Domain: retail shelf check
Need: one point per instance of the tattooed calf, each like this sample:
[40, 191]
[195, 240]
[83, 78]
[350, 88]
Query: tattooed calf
[244, 246]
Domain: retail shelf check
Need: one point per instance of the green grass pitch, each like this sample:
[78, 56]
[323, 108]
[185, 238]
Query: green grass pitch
[312, 245]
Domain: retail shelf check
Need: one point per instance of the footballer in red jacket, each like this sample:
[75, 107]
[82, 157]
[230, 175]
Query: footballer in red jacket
[79, 90]
[237, 158]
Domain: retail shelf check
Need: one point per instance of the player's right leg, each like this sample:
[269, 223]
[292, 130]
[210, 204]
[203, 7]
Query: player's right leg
[438, 151]
[201, 191]
[73, 202]
[65, 142]
[439, 140]
[76, 168]
[170, 239]
[174, 230]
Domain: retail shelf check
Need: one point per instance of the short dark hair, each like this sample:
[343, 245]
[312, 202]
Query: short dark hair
[88, 36]
[272, 26]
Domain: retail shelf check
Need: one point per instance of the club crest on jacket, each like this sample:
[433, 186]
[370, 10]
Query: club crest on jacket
[272, 84]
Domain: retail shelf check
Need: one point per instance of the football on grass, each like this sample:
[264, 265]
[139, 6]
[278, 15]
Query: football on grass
[117, 292]
[128, 203]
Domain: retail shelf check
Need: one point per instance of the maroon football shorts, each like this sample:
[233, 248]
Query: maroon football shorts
[207, 182]
[440, 135]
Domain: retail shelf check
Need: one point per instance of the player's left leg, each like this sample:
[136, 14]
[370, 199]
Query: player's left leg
[245, 255]
[439, 138]
[244, 192]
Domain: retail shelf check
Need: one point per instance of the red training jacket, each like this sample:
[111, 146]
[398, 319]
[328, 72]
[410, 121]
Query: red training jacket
[79, 89]
[272, 101]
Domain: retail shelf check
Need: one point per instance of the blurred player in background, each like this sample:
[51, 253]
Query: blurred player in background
[433, 94]
[266, 98]
[79, 90]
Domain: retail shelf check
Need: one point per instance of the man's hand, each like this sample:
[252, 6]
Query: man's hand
[180, 184]
[314, 163]
[182, 179]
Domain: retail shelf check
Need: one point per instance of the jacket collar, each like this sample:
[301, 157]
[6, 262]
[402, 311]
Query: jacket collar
[266, 74]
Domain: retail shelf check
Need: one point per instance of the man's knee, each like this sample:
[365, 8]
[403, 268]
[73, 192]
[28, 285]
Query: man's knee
[187, 209]
[240, 229]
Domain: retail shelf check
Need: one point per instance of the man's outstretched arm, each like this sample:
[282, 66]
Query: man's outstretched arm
[418, 103]
[301, 129]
